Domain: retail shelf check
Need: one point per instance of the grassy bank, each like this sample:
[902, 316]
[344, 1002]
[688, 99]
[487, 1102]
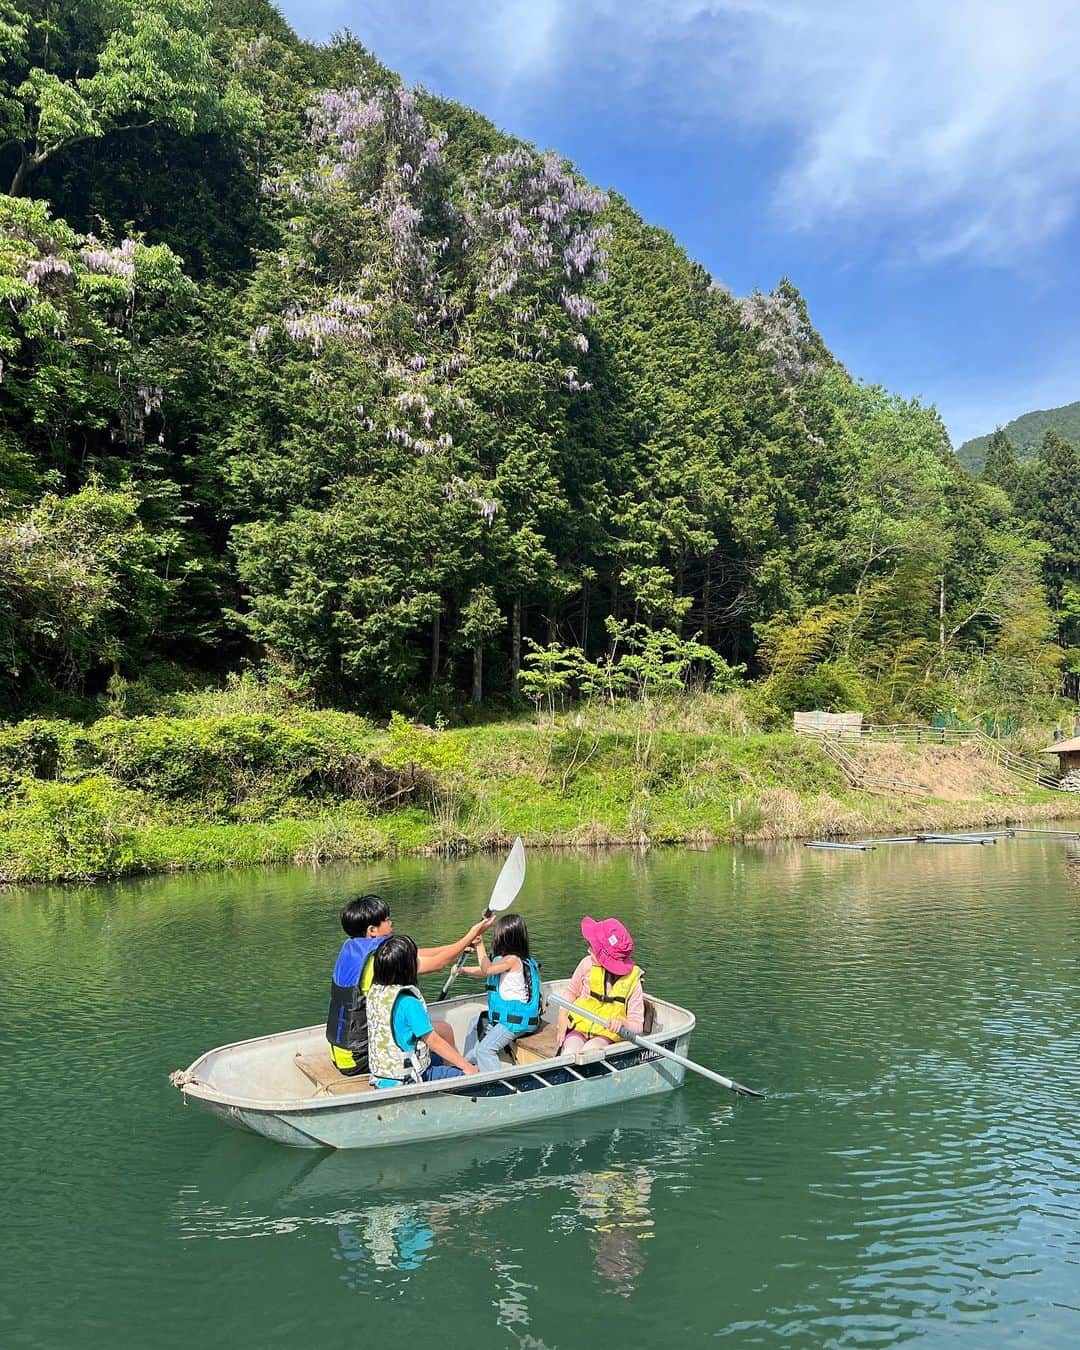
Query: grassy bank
[148, 794]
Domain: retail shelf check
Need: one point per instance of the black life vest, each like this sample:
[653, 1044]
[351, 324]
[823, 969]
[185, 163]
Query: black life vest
[346, 1023]
[346, 1018]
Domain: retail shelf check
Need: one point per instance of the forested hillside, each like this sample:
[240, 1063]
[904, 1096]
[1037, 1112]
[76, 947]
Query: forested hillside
[1025, 433]
[309, 374]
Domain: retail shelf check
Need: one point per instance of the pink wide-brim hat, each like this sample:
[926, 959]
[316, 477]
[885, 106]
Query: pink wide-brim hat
[610, 943]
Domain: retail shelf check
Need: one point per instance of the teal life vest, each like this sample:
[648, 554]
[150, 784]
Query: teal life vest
[521, 1018]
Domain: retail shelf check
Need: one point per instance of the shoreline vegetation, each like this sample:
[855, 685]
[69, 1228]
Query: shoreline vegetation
[322, 393]
[242, 786]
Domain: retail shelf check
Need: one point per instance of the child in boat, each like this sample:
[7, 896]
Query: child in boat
[367, 924]
[403, 1045]
[606, 983]
[513, 982]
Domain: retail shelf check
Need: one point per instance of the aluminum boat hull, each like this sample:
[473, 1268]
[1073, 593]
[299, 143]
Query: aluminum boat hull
[256, 1085]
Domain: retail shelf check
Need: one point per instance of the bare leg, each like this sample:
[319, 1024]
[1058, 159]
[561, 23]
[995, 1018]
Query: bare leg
[598, 1043]
[575, 1042]
[446, 1031]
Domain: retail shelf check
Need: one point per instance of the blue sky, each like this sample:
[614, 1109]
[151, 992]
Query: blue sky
[913, 167]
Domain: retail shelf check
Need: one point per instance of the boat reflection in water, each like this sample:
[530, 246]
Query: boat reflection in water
[585, 1177]
[389, 1237]
[615, 1207]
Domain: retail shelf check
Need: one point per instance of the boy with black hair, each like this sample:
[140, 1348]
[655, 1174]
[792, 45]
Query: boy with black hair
[367, 924]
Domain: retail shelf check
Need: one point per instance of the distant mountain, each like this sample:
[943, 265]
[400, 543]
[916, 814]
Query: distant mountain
[1026, 434]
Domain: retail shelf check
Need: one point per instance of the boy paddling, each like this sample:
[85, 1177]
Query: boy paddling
[367, 924]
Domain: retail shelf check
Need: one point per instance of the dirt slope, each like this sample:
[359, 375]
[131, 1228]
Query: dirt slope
[950, 773]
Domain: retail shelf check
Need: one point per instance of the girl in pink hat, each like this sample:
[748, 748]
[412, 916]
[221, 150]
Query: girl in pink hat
[605, 984]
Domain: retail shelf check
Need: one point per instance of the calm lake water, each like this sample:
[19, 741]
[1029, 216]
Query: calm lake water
[914, 1175]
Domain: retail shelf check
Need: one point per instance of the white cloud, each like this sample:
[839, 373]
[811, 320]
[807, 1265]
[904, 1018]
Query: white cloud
[957, 121]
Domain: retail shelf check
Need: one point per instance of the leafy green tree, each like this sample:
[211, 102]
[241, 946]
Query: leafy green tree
[80, 589]
[83, 69]
[481, 620]
[1002, 468]
[1058, 511]
[549, 673]
[342, 596]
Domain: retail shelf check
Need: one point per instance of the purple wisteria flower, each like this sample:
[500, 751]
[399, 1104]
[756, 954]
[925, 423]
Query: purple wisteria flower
[40, 268]
[527, 215]
[111, 262]
[783, 334]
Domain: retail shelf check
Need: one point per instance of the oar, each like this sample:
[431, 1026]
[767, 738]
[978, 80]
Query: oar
[502, 897]
[647, 1044]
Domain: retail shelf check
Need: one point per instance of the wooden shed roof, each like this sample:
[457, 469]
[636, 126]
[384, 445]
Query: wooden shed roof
[1071, 746]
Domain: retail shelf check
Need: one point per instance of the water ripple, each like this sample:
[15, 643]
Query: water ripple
[912, 1176]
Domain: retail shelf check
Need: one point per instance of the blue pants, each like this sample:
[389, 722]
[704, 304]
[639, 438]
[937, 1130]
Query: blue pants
[434, 1072]
[485, 1054]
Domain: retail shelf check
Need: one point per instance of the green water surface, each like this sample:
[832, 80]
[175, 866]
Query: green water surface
[914, 1175]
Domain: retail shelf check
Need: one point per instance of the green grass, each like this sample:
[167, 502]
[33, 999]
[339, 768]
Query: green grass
[245, 787]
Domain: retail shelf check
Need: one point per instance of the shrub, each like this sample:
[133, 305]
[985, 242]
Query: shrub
[33, 750]
[69, 832]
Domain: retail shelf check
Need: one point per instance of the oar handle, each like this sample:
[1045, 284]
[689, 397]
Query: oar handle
[646, 1044]
[455, 969]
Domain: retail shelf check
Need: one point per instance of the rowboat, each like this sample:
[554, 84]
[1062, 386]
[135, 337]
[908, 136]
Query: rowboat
[285, 1087]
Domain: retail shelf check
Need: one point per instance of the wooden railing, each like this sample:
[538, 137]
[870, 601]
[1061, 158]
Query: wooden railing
[1026, 767]
[857, 775]
[904, 734]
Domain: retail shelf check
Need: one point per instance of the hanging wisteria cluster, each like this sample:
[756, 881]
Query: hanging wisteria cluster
[398, 289]
[250, 52]
[381, 148]
[110, 261]
[377, 152]
[92, 258]
[343, 316]
[527, 221]
[51, 265]
[70, 310]
[457, 489]
[144, 401]
[784, 334]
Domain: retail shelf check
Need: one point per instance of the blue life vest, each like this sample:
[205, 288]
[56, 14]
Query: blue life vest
[521, 1018]
[346, 1018]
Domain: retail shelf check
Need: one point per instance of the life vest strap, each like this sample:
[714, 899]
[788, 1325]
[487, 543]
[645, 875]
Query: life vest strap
[522, 1015]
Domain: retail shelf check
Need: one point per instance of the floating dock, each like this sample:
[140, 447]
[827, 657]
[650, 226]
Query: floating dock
[973, 837]
[850, 848]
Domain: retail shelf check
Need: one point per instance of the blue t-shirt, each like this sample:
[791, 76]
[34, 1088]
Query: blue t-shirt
[409, 1022]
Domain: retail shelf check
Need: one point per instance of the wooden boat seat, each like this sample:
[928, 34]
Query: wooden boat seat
[328, 1082]
[542, 1045]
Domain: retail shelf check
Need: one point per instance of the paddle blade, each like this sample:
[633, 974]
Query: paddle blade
[510, 881]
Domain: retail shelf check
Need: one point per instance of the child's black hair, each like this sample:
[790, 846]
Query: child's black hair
[510, 937]
[362, 913]
[396, 961]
